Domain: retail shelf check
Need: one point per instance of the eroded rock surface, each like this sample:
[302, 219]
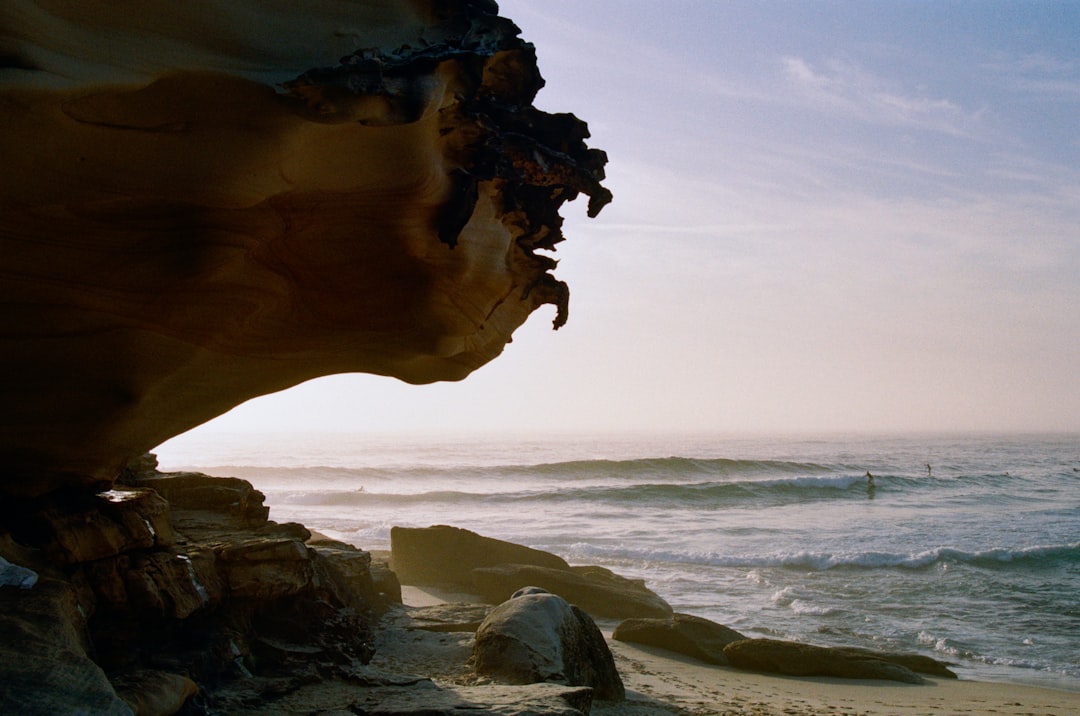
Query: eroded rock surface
[205, 204]
[495, 569]
[538, 637]
[43, 650]
[202, 208]
[597, 590]
[126, 619]
[683, 633]
[445, 556]
[798, 659]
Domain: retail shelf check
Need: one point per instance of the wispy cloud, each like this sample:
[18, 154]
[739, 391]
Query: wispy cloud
[851, 90]
[1041, 74]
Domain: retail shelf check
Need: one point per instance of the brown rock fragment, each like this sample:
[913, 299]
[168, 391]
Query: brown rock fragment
[443, 555]
[682, 633]
[798, 659]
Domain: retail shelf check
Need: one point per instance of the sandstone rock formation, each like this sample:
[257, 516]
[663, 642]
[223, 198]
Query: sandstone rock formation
[206, 202]
[139, 604]
[43, 650]
[918, 663]
[539, 637]
[202, 205]
[682, 633]
[797, 659]
[495, 569]
[599, 591]
[445, 556]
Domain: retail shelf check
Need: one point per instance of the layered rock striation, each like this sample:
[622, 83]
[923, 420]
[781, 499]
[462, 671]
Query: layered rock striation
[142, 603]
[200, 207]
[206, 202]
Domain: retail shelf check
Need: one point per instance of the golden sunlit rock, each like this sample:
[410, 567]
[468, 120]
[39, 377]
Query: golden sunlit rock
[203, 203]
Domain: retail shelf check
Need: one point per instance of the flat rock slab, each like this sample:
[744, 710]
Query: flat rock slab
[443, 555]
[916, 662]
[598, 591]
[796, 659]
[447, 617]
[682, 633]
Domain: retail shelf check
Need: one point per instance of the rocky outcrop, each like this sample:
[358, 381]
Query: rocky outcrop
[494, 569]
[196, 492]
[682, 633]
[43, 651]
[797, 659]
[539, 637]
[202, 207]
[144, 605]
[362, 579]
[598, 591]
[918, 663]
[80, 528]
[446, 556]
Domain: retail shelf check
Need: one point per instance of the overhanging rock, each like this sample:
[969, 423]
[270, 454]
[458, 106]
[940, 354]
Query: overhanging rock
[200, 208]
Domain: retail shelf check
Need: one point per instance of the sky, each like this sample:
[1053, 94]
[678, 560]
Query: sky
[828, 216]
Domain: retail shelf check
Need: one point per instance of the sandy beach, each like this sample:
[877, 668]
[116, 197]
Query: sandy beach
[662, 682]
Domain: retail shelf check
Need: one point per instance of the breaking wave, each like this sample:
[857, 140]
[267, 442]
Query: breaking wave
[1036, 557]
[668, 469]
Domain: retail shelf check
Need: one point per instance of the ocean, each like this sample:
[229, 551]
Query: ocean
[975, 561]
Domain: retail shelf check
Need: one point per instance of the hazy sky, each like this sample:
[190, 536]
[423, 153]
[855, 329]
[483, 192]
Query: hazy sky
[827, 216]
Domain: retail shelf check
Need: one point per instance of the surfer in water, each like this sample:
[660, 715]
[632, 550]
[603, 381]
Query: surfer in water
[869, 485]
[929, 472]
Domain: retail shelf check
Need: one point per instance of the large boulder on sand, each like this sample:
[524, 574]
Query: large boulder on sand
[682, 633]
[539, 637]
[796, 659]
[916, 662]
[599, 591]
[442, 555]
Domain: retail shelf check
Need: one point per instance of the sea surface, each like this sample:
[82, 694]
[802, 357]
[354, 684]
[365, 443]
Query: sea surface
[975, 561]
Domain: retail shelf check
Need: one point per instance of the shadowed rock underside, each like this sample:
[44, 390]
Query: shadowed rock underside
[205, 211]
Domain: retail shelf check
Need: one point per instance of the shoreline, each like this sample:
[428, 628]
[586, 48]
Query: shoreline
[662, 682]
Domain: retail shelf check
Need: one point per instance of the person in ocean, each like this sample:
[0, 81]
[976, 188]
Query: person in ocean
[869, 479]
[929, 472]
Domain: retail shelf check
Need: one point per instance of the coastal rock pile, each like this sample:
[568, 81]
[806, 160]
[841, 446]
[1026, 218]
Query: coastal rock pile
[142, 601]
